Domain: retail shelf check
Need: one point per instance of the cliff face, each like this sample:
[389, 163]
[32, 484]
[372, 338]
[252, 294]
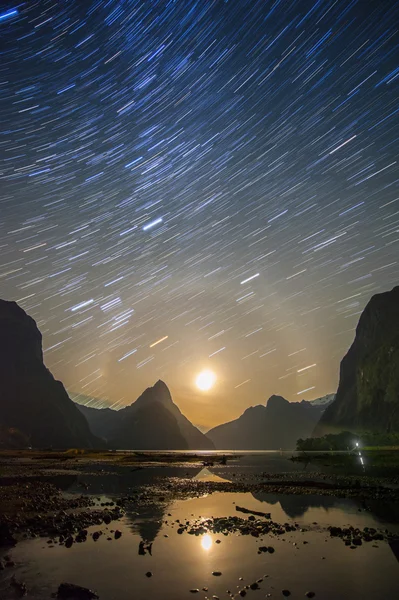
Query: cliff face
[368, 391]
[152, 422]
[31, 400]
[277, 425]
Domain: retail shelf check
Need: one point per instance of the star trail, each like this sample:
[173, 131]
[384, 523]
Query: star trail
[191, 185]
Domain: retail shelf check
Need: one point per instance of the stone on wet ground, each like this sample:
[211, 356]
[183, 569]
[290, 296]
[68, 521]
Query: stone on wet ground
[70, 591]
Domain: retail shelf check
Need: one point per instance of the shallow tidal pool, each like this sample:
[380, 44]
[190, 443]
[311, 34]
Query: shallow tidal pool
[157, 558]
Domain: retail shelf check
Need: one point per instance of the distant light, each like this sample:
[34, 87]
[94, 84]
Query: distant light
[7, 15]
[357, 444]
[242, 383]
[249, 279]
[82, 305]
[306, 368]
[217, 352]
[152, 224]
[307, 390]
[206, 542]
[159, 341]
[127, 354]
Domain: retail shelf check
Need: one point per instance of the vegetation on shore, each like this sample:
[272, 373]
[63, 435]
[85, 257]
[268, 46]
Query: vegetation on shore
[348, 441]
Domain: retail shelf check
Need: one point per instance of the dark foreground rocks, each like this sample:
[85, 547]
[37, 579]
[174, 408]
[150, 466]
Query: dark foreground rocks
[70, 591]
[29, 510]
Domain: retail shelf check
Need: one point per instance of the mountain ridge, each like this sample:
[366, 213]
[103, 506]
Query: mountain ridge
[277, 425]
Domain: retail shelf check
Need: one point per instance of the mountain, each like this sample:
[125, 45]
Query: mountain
[32, 402]
[277, 425]
[368, 390]
[323, 401]
[152, 422]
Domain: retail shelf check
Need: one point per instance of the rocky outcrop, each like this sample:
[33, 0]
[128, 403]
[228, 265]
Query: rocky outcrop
[324, 400]
[152, 422]
[31, 400]
[277, 425]
[368, 391]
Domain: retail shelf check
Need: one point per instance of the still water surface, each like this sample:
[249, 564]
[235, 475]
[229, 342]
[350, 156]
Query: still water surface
[116, 569]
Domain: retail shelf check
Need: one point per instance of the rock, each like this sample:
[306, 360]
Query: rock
[335, 531]
[6, 537]
[286, 593]
[254, 586]
[253, 512]
[216, 573]
[70, 591]
[117, 534]
[270, 549]
[194, 590]
[148, 574]
[310, 594]
[19, 586]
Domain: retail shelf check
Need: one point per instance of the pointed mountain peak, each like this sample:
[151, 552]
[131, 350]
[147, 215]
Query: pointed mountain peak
[161, 385]
[157, 393]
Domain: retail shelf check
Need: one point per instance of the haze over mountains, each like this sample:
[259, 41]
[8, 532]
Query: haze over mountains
[35, 409]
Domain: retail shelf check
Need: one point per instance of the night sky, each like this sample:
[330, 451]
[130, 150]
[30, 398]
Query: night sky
[220, 177]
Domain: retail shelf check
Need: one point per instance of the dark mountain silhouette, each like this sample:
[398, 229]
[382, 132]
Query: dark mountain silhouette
[277, 425]
[104, 422]
[368, 391]
[31, 400]
[152, 422]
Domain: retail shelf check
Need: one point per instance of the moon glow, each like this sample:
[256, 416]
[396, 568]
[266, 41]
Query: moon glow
[205, 380]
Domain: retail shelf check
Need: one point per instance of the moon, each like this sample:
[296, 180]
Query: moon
[205, 380]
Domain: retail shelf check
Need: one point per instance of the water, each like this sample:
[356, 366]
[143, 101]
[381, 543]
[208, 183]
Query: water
[116, 569]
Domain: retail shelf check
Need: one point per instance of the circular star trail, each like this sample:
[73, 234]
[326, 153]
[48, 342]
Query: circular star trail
[198, 185]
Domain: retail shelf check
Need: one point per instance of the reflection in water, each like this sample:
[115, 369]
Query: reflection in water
[146, 520]
[295, 506]
[116, 570]
[206, 541]
[206, 475]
